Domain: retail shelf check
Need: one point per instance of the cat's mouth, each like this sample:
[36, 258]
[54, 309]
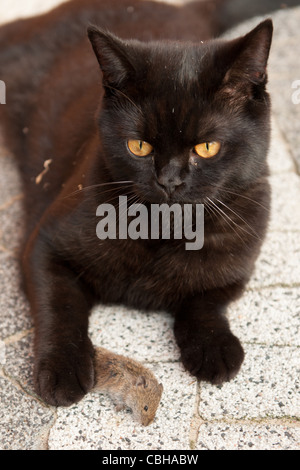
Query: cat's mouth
[181, 195]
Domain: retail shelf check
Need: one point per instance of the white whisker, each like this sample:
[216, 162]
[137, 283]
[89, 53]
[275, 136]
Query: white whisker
[226, 219]
[95, 186]
[254, 233]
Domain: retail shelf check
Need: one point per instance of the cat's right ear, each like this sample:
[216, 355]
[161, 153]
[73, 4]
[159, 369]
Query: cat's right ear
[113, 55]
[247, 59]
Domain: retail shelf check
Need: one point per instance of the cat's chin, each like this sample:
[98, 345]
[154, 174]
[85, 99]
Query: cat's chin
[159, 199]
[148, 195]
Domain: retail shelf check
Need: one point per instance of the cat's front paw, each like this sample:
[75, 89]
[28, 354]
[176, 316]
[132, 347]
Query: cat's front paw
[62, 377]
[212, 357]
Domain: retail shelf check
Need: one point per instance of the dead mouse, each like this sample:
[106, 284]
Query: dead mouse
[128, 383]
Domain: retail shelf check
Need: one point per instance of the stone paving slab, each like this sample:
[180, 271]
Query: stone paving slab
[266, 387]
[280, 160]
[142, 335]
[248, 436]
[268, 316]
[14, 310]
[285, 212]
[9, 182]
[24, 422]
[279, 261]
[260, 408]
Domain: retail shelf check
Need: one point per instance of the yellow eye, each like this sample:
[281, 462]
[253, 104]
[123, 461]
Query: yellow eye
[139, 148]
[207, 149]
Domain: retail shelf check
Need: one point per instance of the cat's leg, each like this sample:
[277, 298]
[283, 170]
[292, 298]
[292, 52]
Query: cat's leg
[208, 348]
[63, 365]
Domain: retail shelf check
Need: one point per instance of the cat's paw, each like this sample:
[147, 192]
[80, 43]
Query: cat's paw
[63, 377]
[214, 358]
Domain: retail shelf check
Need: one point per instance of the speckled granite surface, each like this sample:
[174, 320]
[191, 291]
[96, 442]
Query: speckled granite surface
[260, 409]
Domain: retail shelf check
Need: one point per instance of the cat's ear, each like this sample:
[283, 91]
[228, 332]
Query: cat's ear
[249, 56]
[113, 55]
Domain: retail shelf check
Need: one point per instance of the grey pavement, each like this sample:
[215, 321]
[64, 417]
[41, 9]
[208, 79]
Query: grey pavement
[260, 408]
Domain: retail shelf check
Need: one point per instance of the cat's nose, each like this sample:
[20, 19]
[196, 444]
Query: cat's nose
[170, 183]
[169, 175]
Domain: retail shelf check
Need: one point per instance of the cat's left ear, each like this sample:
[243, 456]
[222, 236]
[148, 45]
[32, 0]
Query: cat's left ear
[113, 55]
[249, 56]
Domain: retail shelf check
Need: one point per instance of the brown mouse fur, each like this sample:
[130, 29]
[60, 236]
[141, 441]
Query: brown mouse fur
[128, 383]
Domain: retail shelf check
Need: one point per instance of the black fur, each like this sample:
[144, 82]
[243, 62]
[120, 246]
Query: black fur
[174, 95]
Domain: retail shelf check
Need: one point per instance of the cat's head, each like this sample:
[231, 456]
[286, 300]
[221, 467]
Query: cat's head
[184, 121]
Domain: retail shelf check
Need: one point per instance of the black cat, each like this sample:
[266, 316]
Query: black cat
[170, 122]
